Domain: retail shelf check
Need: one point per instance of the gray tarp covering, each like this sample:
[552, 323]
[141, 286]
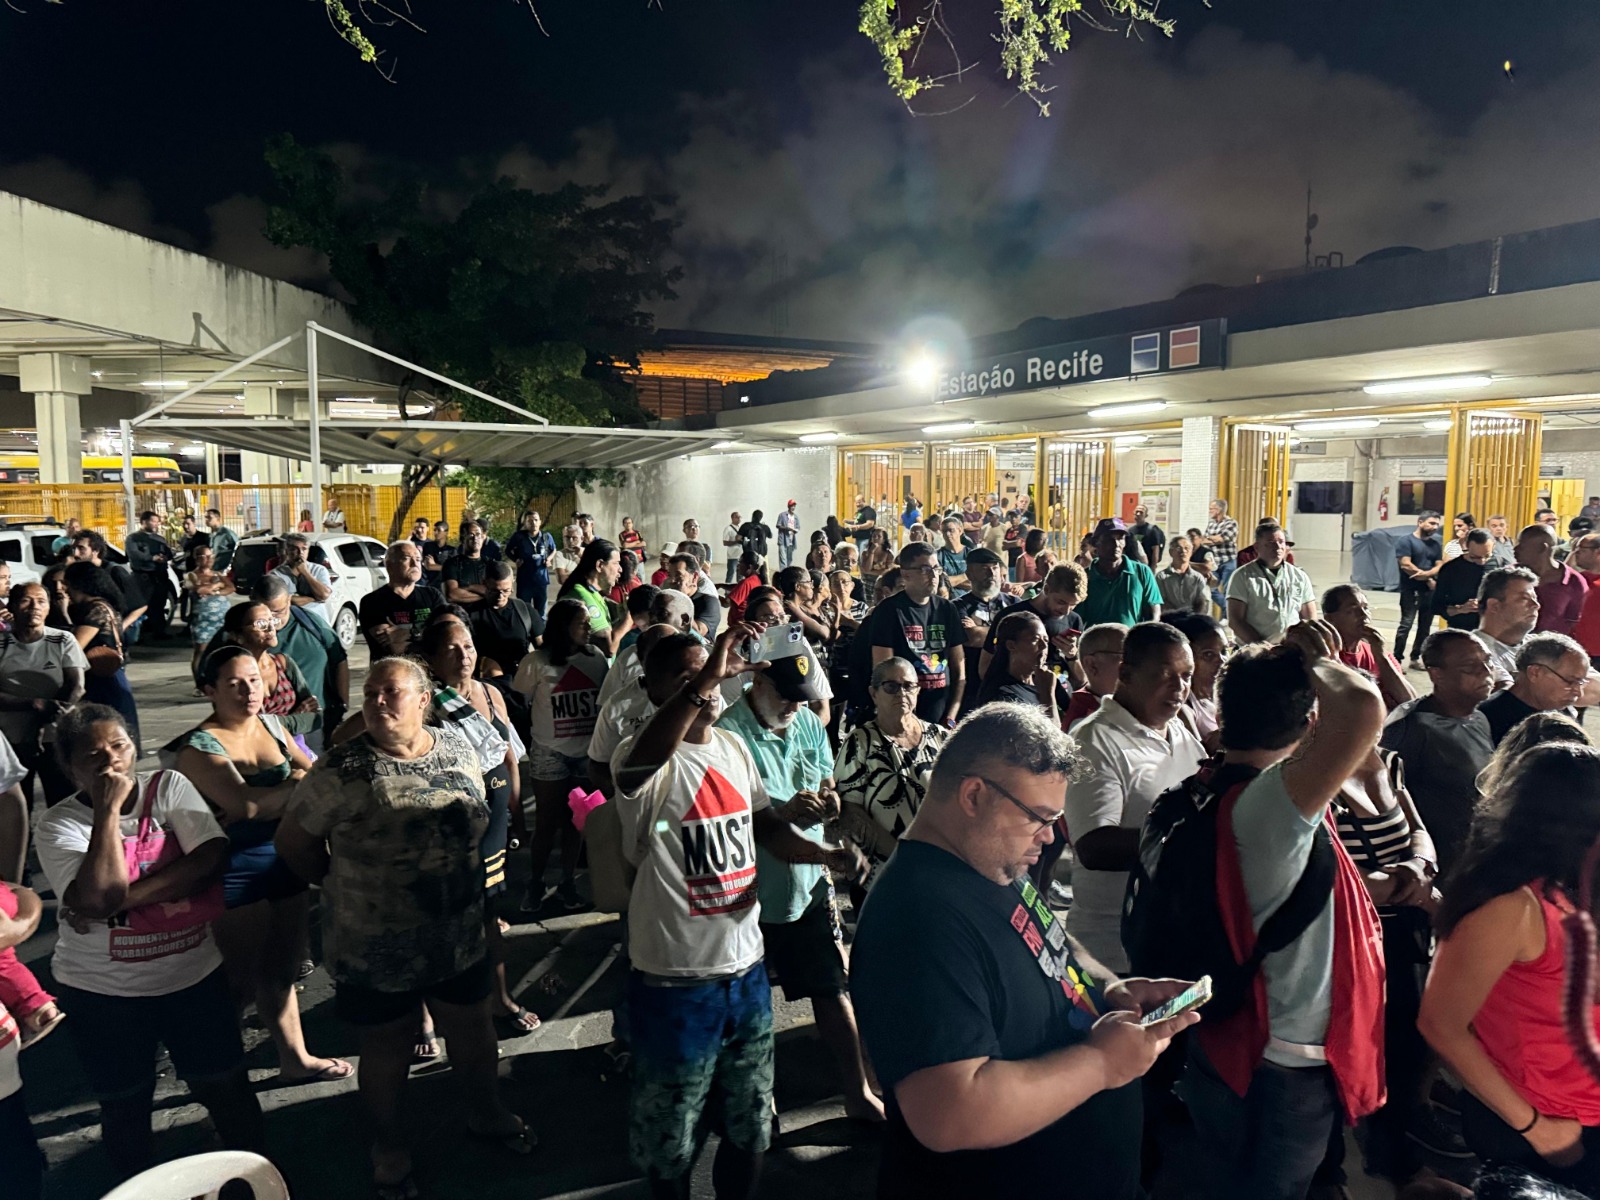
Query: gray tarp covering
[1373, 564]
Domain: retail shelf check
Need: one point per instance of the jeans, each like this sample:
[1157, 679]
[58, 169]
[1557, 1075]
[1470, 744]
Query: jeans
[534, 590]
[1415, 605]
[786, 551]
[1219, 594]
[733, 564]
[1266, 1145]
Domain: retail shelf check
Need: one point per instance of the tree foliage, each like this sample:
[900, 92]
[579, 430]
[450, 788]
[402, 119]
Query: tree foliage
[1030, 31]
[535, 297]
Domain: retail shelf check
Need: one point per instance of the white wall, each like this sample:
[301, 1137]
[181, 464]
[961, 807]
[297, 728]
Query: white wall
[708, 487]
[1130, 478]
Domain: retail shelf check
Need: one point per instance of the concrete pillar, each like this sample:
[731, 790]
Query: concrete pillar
[264, 400]
[1202, 445]
[57, 381]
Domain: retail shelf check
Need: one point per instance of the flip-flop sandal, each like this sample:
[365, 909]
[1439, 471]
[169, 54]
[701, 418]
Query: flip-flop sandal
[336, 1069]
[34, 1037]
[518, 1024]
[426, 1049]
[519, 1141]
[505, 926]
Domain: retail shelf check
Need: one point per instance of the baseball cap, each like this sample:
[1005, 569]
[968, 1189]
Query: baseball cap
[982, 554]
[1105, 523]
[798, 679]
[786, 503]
[669, 548]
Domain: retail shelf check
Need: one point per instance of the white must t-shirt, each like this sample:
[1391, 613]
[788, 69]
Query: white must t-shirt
[620, 717]
[563, 700]
[1128, 765]
[83, 960]
[694, 911]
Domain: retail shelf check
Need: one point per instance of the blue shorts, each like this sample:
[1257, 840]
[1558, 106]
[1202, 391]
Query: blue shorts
[257, 873]
[685, 1040]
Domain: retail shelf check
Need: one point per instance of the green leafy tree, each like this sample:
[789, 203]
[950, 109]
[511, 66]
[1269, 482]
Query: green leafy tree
[537, 297]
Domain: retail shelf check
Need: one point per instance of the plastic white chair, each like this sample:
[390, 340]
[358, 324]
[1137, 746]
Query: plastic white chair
[202, 1176]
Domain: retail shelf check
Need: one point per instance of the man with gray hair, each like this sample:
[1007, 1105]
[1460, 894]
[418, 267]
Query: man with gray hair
[1552, 671]
[1508, 608]
[1222, 536]
[392, 616]
[309, 582]
[990, 1029]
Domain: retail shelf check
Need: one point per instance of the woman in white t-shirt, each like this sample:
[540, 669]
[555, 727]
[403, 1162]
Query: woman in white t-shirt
[562, 680]
[135, 965]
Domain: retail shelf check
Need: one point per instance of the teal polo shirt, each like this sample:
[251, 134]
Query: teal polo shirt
[1120, 599]
[797, 761]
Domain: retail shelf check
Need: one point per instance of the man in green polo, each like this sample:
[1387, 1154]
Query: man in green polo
[1121, 591]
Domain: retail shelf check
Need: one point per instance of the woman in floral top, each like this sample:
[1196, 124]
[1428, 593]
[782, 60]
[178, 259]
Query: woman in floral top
[882, 768]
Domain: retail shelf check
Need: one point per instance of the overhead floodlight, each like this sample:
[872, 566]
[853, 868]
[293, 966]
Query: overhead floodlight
[1337, 423]
[921, 370]
[819, 437]
[1111, 412]
[723, 445]
[950, 427]
[171, 385]
[1439, 426]
[1445, 383]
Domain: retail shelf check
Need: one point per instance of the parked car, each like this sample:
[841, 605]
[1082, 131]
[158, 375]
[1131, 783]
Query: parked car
[26, 546]
[354, 562]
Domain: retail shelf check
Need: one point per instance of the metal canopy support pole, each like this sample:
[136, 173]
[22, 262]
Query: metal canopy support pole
[317, 508]
[127, 478]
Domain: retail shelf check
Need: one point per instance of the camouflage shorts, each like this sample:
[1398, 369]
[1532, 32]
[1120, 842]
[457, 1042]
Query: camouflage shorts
[688, 1044]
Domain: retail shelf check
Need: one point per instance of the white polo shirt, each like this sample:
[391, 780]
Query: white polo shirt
[1272, 602]
[1126, 766]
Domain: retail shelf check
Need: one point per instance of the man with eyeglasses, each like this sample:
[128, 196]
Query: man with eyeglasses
[1135, 746]
[926, 631]
[1007, 1054]
[1552, 671]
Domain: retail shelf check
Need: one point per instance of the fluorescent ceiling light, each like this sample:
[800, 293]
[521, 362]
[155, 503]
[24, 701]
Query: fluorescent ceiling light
[1111, 411]
[819, 437]
[1439, 426]
[193, 450]
[171, 385]
[723, 445]
[1447, 383]
[1337, 423]
[950, 427]
[1129, 439]
[158, 445]
[355, 399]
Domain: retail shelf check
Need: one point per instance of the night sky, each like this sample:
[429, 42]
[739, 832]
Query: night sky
[812, 203]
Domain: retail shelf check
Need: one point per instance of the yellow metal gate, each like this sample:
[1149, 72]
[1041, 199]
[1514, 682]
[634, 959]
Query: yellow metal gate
[1079, 479]
[957, 472]
[1255, 474]
[1494, 465]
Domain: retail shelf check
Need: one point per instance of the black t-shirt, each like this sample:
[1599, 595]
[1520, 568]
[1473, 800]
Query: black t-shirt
[924, 635]
[949, 966]
[1423, 552]
[384, 607]
[984, 612]
[506, 634]
[707, 610]
[1505, 712]
[1054, 627]
[868, 516]
[465, 571]
[440, 552]
[754, 536]
[1152, 537]
[1457, 583]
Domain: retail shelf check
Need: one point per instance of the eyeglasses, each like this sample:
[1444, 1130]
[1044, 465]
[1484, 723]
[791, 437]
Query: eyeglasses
[264, 625]
[1571, 683]
[895, 688]
[1033, 816]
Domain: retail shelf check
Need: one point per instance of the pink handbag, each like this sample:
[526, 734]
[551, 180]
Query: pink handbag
[170, 927]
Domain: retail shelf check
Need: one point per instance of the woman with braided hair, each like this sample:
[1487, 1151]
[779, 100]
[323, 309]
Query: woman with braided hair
[1494, 1003]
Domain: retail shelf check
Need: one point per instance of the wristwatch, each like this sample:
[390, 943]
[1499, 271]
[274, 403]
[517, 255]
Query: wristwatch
[695, 698]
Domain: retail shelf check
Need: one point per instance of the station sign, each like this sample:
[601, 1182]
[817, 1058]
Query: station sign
[1196, 346]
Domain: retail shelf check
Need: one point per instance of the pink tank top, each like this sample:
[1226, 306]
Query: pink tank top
[1520, 1027]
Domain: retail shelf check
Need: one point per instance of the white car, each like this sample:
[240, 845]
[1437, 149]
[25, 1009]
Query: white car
[25, 545]
[354, 562]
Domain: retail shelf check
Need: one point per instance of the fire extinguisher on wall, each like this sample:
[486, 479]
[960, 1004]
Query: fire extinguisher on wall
[1383, 505]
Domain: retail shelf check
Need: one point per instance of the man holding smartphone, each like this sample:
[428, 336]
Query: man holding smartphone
[1007, 1055]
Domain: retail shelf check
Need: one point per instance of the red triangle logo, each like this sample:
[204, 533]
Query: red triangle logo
[716, 797]
[576, 681]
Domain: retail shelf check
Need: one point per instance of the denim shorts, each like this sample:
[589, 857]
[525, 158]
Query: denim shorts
[690, 1042]
[551, 766]
[116, 1036]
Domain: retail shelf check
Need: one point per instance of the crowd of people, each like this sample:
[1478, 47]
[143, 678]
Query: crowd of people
[988, 805]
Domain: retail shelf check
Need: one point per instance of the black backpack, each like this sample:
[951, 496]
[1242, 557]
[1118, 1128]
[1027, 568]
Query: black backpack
[1171, 920]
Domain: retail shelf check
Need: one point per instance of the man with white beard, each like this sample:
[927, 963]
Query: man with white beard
[790, 746]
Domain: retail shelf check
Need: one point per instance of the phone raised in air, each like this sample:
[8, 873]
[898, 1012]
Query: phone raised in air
[1191, 997]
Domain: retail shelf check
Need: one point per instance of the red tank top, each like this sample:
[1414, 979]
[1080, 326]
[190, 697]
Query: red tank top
[1521, 1029]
